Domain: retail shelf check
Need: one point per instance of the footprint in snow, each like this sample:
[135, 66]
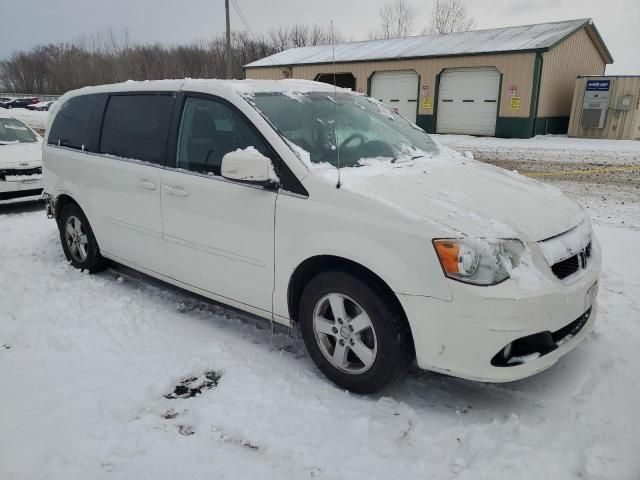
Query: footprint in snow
[186, 430]
[170, 414]
[192, 386]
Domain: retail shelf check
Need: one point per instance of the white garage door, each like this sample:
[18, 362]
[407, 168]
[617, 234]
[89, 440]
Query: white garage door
[398, 90]
[468, 101]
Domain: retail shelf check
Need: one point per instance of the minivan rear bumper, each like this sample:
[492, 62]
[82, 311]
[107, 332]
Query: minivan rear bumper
[467, 336]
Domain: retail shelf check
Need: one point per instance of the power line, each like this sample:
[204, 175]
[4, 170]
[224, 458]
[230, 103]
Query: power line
[243, 19]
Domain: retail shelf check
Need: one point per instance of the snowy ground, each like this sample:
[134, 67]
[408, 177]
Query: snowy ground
[603, 175]
[549, 148]
[86, 362]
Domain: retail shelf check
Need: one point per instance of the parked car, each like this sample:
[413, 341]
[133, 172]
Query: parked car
[5, 99]
[40, 106]
[22, 102]
[20, 162]
[326, 209]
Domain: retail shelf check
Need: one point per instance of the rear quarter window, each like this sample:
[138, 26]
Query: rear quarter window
[136, 126]
[77, 123]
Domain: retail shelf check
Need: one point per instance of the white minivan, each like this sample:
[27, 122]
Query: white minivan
[310, 205]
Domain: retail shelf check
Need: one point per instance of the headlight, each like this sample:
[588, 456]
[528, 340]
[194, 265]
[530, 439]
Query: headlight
[478, 261]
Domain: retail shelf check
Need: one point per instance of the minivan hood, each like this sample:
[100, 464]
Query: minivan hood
[21, 155]
[470, 197]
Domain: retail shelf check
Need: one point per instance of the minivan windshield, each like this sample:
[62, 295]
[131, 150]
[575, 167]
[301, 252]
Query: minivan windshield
[343, 128]
[14, 131]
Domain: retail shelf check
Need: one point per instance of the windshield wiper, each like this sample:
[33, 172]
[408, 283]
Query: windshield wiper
[414, 157]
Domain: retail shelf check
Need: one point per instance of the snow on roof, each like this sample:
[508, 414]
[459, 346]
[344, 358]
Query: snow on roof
[250, 86]
[217, 86]
[509, 39]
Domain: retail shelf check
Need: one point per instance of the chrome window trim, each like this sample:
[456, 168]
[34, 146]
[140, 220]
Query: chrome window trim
[109, 156]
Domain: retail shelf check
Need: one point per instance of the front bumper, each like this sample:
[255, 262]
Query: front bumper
[20, 190]
[461, 337]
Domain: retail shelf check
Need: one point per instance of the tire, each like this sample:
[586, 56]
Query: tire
[387, 340]
[78, 241]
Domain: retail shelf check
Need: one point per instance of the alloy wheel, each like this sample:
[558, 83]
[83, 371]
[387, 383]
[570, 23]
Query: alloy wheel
[76, 238]
[345, 334]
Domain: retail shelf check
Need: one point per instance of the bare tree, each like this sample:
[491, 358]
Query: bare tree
[449, 16]
[397, 19]
[279, 38]
[301, 35]
[110, 56]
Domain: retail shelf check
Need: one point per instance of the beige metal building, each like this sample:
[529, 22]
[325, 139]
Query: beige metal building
[506, 82]
[606, 107]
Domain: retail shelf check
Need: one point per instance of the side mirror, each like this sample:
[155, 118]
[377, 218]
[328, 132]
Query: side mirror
[248, 166]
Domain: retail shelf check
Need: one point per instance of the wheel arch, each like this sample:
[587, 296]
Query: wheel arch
[315, 265]
[62, 201]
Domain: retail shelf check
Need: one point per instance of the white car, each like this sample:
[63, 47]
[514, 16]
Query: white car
[319, 207]
[20, 162]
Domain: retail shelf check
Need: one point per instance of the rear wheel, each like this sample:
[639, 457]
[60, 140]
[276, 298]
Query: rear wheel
[78, 242]
[352, 332]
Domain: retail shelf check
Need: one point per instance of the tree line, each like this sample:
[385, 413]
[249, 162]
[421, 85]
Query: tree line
[110, 56]
[399, 18]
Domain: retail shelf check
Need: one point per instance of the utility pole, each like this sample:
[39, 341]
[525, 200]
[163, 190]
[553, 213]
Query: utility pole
[228, 46]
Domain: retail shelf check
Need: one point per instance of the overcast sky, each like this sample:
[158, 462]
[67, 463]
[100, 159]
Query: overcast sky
[27, 23]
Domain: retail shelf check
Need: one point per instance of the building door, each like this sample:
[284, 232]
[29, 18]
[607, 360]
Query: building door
[468, 101]
[398, 90]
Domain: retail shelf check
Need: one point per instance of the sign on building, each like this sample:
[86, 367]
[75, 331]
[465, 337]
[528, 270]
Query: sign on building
[595, 103]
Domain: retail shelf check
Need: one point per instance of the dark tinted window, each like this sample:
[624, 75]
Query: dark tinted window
[210, 129]
[136, 126]
[77, 123]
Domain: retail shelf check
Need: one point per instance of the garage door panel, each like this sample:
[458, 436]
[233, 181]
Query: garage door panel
[397, 89]
[468, 101]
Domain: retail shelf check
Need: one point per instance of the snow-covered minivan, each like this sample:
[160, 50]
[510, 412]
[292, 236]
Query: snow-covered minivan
[310, 205]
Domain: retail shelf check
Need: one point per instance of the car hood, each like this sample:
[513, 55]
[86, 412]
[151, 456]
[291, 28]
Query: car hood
[21, 155]
[469, 197]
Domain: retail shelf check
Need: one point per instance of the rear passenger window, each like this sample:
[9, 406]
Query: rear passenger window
[77, 123]
[136, 126]
[210, 129]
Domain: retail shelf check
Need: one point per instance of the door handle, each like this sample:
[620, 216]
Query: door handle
[176, 191]
[146, 184]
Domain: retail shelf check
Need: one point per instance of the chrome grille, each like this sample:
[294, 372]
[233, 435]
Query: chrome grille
[12, 172]
[571, 265]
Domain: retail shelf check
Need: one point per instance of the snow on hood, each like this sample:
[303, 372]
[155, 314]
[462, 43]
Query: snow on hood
[16, 155]
[468, 196]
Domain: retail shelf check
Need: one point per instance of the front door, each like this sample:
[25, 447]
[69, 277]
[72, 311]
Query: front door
[219, 234]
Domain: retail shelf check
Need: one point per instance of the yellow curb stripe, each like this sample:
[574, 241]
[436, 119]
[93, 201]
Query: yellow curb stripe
[588, 171]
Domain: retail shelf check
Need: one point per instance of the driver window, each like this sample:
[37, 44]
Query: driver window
[210, 129]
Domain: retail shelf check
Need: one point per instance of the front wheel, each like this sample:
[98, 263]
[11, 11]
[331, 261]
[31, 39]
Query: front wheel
[352, 332]
[78, 242]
